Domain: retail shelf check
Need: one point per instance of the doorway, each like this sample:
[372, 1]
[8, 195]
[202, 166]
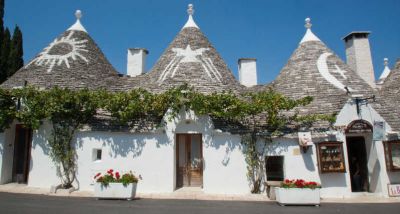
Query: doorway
[22, 150]
[189, 160]
[357, 157]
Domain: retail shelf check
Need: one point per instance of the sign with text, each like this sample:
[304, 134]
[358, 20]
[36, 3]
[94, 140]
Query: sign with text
[394, 190]
[379, 130]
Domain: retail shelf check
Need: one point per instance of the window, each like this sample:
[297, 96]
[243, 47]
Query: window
[96, 155]
[330, 157]
[392, 155]
[274, 168]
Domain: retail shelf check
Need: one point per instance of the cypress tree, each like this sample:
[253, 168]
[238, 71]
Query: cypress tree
[5, 52]
[1, 37]
[1, 22]
[15, 60]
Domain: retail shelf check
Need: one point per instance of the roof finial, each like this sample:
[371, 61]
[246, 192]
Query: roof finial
[308, 23]
[385, 61]
[78, 14]
[309, 36]
[190, 10]
[78, 26]
[190, 22]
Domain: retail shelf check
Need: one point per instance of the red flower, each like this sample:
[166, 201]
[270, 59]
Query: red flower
[97, 175]
[117, 175]
[110, 171]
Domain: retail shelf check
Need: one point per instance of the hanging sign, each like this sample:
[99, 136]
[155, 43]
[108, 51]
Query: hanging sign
[359, 126]
[305, 139]
[394, 190]
[379, 131]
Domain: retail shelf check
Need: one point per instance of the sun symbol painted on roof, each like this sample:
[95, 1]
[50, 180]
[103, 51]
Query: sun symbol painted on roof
[61, 51]
[188, 55]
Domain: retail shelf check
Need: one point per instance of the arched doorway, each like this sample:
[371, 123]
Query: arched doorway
[357, 154]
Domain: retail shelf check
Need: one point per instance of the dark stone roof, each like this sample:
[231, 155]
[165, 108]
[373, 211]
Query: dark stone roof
[190, 58]
[301, 77]
[73, 60]
[391, 86]
[389, 98]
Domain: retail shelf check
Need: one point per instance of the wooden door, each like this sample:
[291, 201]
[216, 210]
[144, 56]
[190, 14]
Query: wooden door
[189, 164]
[22, 150]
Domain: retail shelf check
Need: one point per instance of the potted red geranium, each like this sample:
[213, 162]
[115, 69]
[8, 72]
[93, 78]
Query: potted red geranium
[298, 191]
[115, 185]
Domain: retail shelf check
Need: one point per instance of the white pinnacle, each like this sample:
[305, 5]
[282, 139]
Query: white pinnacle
[385, 72]
[309, 36]
[78, 26]
[190, 22]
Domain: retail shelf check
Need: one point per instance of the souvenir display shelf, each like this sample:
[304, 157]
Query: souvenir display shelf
[330, 157]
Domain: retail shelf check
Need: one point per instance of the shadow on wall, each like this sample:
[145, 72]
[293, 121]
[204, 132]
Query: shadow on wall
[2, 143]
[230, 145]
[40, 138]
[277, 148]
[374, 177]
[307, 158]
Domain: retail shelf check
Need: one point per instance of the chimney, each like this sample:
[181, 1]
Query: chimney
[358, 55]
[136, 61]
[247, 71]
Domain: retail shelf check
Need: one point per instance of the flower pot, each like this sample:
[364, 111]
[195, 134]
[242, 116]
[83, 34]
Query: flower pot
[297, 196]
[115, 191]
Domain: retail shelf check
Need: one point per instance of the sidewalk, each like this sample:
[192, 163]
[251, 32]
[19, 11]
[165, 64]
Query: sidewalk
[191, 194]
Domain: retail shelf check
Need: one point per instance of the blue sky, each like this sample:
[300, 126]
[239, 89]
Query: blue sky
[267, 30]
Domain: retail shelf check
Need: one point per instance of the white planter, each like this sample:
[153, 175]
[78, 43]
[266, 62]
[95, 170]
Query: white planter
[115, 191]
[297, 196]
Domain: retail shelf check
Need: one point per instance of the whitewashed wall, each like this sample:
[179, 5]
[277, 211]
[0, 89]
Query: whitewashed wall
[300, 165]
[42, 171]
[2, 147]
[6, 154]
[152, 155]
[225, 166]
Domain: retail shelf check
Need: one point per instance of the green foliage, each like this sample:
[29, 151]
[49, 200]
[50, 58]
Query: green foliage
[115, 177]
[11, 50]
[8, 109]
[4, 53]
[16, 60]
[69, 110]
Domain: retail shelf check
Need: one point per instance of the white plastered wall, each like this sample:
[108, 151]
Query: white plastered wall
[152, 155]
[300, 165]
[378, 176]
[7, 154]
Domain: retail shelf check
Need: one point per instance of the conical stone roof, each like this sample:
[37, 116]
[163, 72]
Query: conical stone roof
[72, 60]
[391, 86]
[314, 70]
[191, 58]
[388, 99]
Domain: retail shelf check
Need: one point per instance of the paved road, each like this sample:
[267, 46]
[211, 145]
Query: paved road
[23, 203]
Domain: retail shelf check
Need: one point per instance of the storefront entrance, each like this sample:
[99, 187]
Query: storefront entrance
[357, 157]
[22, 150]
[189, 164]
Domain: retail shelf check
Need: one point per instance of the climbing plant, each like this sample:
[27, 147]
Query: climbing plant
[264, 115]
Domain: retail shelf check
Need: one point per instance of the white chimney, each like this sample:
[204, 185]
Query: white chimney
[136, 61]
[247, 71]
[358, 55]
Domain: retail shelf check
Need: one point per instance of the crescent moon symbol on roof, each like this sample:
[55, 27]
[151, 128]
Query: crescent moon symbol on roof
[324, 71]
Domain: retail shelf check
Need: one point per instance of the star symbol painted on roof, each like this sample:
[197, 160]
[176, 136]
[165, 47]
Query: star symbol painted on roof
[188, 54]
